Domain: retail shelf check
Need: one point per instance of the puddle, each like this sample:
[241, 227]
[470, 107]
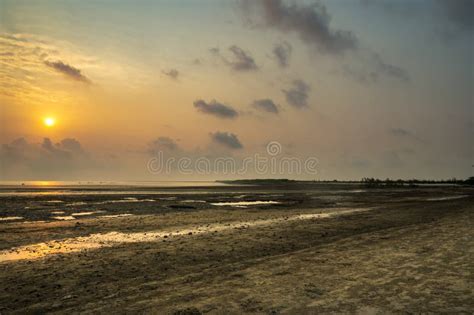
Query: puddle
[79, 203]
[244, 203]
[64, 218]
[447, 198]
[116, 215]
[95, 241]
[129, 199]
[78, 214]
[10, 218]
[329, 198]
[193, 201]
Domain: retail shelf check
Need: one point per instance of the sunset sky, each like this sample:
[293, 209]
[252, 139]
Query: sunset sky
[369, 88]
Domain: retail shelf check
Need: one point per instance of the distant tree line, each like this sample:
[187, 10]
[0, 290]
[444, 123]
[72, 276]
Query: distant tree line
[368, 181]
[375, 182]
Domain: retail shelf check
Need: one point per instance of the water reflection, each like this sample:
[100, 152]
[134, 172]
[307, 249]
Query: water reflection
[95, 241]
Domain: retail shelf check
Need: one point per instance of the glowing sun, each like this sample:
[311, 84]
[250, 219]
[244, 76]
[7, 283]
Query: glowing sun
[49, 121]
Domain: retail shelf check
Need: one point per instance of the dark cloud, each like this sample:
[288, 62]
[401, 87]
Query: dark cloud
[297, 96]
[282, 54]
[310, 21]
[172, 73]
[215, 108]
[266, 105]
[226, 139]
[242, 61]
[453, 17]
[460, 12]
[69, 71]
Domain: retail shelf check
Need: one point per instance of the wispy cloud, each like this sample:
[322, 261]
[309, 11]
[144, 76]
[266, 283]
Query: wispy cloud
[29, 67]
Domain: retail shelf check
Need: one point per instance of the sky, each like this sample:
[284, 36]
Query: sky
[361, 88]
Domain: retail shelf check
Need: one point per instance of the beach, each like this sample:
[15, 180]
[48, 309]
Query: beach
[304, 249]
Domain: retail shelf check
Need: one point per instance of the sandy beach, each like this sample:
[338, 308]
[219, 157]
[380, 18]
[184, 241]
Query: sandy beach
[309, 251]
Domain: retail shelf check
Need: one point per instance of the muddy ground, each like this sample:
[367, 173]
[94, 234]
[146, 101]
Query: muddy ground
[409, 250]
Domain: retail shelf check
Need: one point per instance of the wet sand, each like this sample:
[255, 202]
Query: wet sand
[373, 251]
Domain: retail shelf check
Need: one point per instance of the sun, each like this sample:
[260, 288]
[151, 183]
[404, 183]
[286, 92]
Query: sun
[49, 121]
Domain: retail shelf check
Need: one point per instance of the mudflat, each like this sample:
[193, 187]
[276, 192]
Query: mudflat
[264, 250]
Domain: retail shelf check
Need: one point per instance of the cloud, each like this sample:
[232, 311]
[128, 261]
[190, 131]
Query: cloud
[23, 70]
[215, 108]
[311, 22]
[214, 50]
[71, 144]
[403, 133]
[459, 12]
[226, 139]
[452, 17]
[172, 73]
[45, 160]
[164, 144]
[383, 68]
[242, 61]
[282, 53]
[400, 132]
[68, 70]
[266, 105]
[297, 96]
[376, 70]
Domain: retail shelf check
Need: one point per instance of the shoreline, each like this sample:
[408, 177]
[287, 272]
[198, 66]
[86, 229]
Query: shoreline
[405, 254]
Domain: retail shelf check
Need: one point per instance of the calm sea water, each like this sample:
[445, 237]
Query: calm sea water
[97, 187]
